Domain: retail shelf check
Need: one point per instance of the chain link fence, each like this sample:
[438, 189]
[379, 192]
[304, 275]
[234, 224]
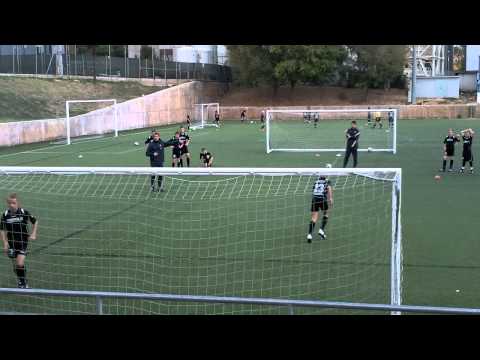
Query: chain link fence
[112, 67]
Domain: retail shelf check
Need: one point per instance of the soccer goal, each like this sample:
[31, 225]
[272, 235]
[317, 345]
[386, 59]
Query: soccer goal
[96, 122]
[204, 115]
[238, 232]
[324, 129]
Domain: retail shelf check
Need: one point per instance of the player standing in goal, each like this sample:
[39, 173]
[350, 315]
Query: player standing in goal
[378, 120]
[15, 224]
[189, 122]
[352, 136]
[217, 118]
[467, 136]
[156, 153]
[316, 117]
[390, 119]
[321, 199]
[185, 141]
[369, 117]
[262, 119]
[449, 149]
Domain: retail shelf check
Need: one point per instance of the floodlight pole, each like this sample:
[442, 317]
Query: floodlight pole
[478, 82]
[414, 76]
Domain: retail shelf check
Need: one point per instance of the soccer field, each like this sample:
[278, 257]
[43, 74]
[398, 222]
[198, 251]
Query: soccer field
[213, 256]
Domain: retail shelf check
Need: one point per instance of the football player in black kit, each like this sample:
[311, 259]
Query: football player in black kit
[156, 153]
[352, 136]
[467, 138]
[449, 149]
[177, 152]
[262, 119]
[322, 197]
[206, 158]
[217, 118]
[189, 122]
[15, 236]
[185, 141]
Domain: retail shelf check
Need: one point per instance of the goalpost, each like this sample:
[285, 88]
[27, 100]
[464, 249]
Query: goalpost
[287, 130]
[95, 122]
[204, 115]
[237, 232]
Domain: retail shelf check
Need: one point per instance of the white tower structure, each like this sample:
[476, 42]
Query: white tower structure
[431, 60]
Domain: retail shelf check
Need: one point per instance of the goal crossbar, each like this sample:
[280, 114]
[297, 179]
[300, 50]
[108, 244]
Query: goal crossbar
[67, 114]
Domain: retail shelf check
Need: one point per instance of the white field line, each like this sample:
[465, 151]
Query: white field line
[78, 143]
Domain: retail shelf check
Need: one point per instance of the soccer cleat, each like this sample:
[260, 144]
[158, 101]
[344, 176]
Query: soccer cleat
[322, 234]
[152, 188]
[441, 170]
[462, 171]
[450, 170]
[471, 171]
[309, 238]
[22, 285]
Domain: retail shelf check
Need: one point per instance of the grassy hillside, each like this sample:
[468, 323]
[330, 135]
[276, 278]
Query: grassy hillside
[33, 99]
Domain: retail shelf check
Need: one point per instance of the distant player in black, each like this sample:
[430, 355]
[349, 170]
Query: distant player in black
[369, 117]
[217, 118]
[243, 115]
[390, 119]
[467, 137]
[177, 152]
[15, 236]
[156, 153]
[189, 122]
[306, 117]
[352, 136]
[262, 119]
[321, 199]
[149, 139]
[206, 158]
[185, 141]
[449, 149]
[316, 117]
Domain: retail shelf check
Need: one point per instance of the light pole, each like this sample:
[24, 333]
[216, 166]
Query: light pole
[414, 76]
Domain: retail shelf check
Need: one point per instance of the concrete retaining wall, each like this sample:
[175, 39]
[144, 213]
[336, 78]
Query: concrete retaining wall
[163, 107]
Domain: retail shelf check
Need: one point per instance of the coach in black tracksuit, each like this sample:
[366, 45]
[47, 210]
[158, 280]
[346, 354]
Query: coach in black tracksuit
[352, 136]
[156, 152]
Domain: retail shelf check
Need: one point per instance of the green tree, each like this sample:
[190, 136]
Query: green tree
[377, 66]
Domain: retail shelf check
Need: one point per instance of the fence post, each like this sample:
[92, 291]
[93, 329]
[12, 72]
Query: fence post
[99, 302]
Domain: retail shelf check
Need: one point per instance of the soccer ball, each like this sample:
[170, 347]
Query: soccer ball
[80, 156]
[437, 177]
[251, 122]
[369, 149]
[329, 165]
[136, 143]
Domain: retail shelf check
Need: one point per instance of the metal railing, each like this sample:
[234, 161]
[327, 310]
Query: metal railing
[290, 304]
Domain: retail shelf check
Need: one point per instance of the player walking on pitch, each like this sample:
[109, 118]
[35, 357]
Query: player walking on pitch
[15, 236]
[352, 136]
[467, 136]
[449, 149]
[185, 141]
[321, 199]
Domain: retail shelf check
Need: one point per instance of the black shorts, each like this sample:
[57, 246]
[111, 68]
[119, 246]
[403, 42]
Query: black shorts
[450, 152]
[319, 203]
[177, 153]
[19, 246]
[184, 150]
[467, 156]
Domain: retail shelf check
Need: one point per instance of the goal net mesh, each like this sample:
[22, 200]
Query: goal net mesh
[317, 130]
[204, 115]
[230, 235]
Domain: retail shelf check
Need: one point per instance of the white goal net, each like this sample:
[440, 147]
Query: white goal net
[324, 130]
[222, 232]
[80, 121]
[204, 115]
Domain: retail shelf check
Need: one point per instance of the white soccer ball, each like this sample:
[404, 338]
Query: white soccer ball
[136, 143]
[251, 122]
[80, 156]
[369, 149]
[338, 155]
[329, 165]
